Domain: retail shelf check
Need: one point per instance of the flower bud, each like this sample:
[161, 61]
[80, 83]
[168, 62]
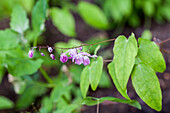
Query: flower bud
[50, 49]
[52, 56]
[86, 61]
[42, 54]
[63, 58]
[30, 53]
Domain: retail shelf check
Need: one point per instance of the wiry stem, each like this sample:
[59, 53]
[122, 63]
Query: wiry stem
[77, 46]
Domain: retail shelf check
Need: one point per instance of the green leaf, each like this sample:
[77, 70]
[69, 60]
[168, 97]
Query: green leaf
[27, 4]
[90, 101]
[2, 72]
[9, 39]
[118, 9]
[111, 68]
[148, 8]
[19, 21]
[150, 54]
[93, 15]
[38, 16]
[125, 52]
[29, 95]
[2, 68]
[147, 35]
[67, 109]
[147, 86]
[47, 105]
[5, 103]
[64, 21]
[58, 92]
[84, 81]
[19, 67]
[96, 69]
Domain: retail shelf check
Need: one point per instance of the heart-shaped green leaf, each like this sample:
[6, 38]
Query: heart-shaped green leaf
[64, 21]
[111, 68]
[19, 20]
[150, 54]
[147, 85]
[93, 15]
[125, 52]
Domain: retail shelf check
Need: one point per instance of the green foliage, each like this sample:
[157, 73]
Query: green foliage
[93, 15]
[31, 92]
[148, 7]
[91, 75]
[90, 101]
[148, 61]
[118, 9]
[67, 109]
[96, 69]
[141, 62]
[150, 54]
[15, 66]
[58, 92]
[47, 105]
[5, 103]
[19, 21]
[111, 68]
[84, 81]
[27, 4]
[125, 52]
[64, 21]
[38, 16]
[147, 85]
[9, 39]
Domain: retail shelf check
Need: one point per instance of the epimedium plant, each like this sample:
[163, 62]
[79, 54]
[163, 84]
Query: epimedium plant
[140, 60]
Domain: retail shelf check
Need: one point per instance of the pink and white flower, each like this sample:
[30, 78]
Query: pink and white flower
[77, 57]
[63, 58]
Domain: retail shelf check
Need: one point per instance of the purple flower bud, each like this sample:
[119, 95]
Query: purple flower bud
[30, 53]
[42, 54]
[63, 58]
[50, 49]
[52, 56]
[78, 59]
[86, 61]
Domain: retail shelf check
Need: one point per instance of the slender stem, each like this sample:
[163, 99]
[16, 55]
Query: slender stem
[45, 75]
[97, 106]
[78, 46]
[164, 41]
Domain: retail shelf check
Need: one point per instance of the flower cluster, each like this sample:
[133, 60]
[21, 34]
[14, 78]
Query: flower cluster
[77, 57]
[50, 50]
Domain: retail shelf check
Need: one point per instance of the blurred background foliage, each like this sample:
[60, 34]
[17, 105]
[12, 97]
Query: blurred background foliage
[26, 28]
